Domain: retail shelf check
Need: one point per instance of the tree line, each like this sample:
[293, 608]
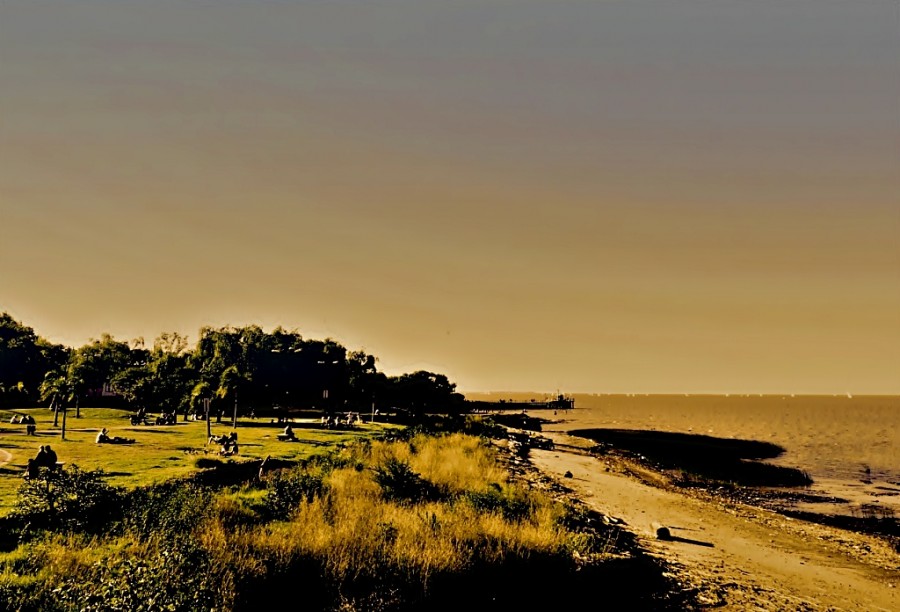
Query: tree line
[243, 367]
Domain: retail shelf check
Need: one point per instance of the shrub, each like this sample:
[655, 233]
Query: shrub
[69, 499]
[205, 463]
[287, 490]
[334, 460]
[172, 509]
[400, 483]
[437, 425]
[175, 577]
[245, 507]
[511, 504]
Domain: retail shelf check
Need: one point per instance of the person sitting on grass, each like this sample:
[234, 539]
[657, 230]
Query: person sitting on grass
[104, 438]
[214, 439]
[289, 433]
[166, 418]
[229, 445]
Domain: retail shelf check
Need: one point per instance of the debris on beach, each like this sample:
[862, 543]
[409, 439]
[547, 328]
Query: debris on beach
[662, 532]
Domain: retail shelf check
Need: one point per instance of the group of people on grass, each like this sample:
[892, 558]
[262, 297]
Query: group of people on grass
[47, 458]
[229, 443]
[166, 418]
[139, 417]
[332, 421]
[142, 418]
[25, 419]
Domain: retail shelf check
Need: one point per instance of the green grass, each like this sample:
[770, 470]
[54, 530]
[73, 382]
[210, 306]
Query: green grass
[411, 522]
[159, 453]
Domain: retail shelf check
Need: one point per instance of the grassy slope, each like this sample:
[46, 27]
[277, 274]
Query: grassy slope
[457, 531]
[159, 452]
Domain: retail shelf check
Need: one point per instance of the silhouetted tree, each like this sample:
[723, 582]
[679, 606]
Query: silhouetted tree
[99, 362]
[25, 359]
[424, 391]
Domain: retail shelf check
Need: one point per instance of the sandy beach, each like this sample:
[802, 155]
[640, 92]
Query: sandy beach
[849, 446]
[733, 555]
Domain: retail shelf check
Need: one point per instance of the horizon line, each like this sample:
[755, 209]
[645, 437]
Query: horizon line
[849, 395]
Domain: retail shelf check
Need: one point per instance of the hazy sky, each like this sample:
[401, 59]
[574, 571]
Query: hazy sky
[638, 196]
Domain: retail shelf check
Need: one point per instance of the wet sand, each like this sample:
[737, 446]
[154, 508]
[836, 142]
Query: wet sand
[735, 556]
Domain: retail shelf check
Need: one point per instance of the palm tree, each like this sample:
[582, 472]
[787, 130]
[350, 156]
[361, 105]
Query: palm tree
[58, 390]
[76, 383]
[229, 382]
[201, 393]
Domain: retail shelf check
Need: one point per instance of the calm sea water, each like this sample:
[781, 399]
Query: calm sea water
[840, 441]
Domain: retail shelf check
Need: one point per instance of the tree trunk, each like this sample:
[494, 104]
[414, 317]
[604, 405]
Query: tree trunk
[64, 423]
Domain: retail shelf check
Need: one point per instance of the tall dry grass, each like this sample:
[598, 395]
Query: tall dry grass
[346, 539]
[455, 462]
[355, 532]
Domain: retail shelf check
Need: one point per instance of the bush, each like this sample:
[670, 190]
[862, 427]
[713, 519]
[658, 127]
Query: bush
[400, 483]
[288, 490]
[69, 499]
[174, 578]
[205, 463]
[172, 509]
[436, 425]
[331, 461]
[512, 506]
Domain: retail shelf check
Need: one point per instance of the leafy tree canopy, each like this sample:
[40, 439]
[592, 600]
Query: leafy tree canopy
[261, 370]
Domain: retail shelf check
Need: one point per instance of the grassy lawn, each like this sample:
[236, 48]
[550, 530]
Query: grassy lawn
[160, 452]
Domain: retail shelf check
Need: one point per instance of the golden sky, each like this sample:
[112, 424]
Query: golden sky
[604, 196]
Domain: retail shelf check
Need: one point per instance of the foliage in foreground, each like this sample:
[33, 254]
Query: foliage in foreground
[423, 523]
[72, 499]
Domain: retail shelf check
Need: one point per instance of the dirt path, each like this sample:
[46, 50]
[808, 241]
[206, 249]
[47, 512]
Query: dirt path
[737, 556]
